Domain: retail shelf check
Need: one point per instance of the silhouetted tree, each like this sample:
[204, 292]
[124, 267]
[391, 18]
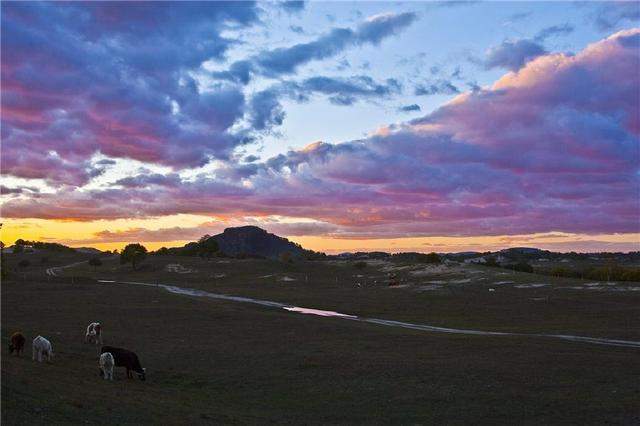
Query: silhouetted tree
[134, 254]
[208, 246]
[3, 267]
[95, 262]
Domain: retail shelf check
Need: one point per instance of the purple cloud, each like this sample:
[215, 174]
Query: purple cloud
[513, 54]
[286, 60]
[100, 95]
[551, 147]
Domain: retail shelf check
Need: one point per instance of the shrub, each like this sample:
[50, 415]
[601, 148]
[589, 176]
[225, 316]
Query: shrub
[134, 254]
[162, 251]
[360, 265]
[490, 261]
[433, 258]
[522, 267]
[95, 262]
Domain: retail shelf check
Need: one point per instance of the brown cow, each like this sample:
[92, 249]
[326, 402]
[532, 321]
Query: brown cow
[17, 343]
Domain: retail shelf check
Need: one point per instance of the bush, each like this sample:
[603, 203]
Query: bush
[95, 262]
[433, 258]
[360, 265]
[613, 273]
[207, 247]
[162, 251]
[522, 267]
[134, 254]
[490, 261]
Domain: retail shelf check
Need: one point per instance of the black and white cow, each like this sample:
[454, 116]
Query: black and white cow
[127, 359]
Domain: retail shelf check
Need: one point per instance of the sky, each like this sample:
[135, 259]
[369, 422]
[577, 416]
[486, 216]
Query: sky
[344, 126]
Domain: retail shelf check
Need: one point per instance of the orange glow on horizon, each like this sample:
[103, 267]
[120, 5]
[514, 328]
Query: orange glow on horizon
[79, 234]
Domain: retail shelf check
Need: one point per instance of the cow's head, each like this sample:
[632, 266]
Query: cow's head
[142, 374]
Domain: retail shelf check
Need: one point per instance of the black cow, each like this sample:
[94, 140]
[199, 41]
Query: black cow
[17, 343]
[127, 359]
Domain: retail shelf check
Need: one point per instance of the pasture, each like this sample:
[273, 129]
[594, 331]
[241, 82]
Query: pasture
[215, 361]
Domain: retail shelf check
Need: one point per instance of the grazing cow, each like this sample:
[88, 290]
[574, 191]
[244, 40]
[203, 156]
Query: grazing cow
[17, 343]
[94, 333]
[127, 359]
[106, 365]
[42, 348]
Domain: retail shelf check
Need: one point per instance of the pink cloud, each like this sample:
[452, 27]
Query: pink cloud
[552, 147]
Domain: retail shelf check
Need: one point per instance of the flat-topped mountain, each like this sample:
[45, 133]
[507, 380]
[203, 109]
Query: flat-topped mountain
[254, 241]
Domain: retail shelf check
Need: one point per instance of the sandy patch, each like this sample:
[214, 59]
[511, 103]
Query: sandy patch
[461, 281]
[429, 288]
[285, 278]
[178, 268]
[396, 268]
[431, 269]
[530, 285]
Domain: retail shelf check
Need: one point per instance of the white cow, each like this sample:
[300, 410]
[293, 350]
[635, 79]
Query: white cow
[42, 348]
[94, 333]
[106, 365]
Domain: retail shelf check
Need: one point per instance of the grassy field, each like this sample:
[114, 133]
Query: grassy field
[214, 361]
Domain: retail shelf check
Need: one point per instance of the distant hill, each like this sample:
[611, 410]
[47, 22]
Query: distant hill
[523, 251]
[88, 250]
[254, 241]
[25, 246]
[247, 241]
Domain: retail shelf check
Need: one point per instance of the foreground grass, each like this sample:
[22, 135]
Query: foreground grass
[218, 362]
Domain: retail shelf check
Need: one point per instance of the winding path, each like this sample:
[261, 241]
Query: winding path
[53, 272]
[389, 323]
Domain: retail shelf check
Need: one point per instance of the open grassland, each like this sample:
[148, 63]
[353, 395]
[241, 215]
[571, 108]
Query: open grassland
[449, 296]
[212, 361]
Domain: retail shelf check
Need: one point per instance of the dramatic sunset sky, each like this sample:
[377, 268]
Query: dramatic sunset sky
[393, 126]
